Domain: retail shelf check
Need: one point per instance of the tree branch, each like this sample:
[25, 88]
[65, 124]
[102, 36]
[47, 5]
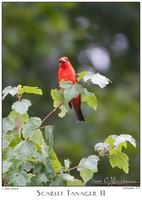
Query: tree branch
[51, 112]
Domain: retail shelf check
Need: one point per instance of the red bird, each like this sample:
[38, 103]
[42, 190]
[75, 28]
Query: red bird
[66, 72]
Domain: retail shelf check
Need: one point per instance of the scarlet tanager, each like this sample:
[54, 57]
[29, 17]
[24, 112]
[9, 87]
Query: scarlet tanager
[66, 72]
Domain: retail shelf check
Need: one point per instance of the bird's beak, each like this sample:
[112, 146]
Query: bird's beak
[62, 60]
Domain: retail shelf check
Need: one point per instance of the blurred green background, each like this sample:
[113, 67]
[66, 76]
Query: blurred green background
[102, 37]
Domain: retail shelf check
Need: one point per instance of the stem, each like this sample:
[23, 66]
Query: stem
[19, 123]
[61, 172]
[19, 97]
[74, 167]
[22, 137]
[42, 127]
[51, 112]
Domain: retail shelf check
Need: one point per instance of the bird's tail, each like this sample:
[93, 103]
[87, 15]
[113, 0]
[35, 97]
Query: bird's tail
[78, 114]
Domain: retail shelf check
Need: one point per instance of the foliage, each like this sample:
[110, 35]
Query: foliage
[69, 91]
[116, 157]
[96, 79]
[28, 154]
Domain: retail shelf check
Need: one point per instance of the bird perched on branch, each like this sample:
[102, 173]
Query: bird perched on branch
[66, 72]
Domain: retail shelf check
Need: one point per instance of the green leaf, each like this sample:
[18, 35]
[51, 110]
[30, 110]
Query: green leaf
[15, 138]
[70, 93]
[90, 100]
[65, 84]
[97, 79]
[40, 179]
[48, 168]
[37, 168]
[70, 90]
[55, 161]
[37, 137]
[18, 178]
[9, 90]
[29, 89]
[57, 181]
[13, 115]
[27, 166]
[46, 160]
[20, 90]
[91, 163]
[19, 120]
[24, 150]
[119, 147]
[44, 152]
[22, 106]
[8, 124]
[48, 136]
[6, 165]
[24, 117]
[8, 154]
[119, 139]
[4, 154]
[88, 166]
[120, 160]
[33, 90]
[6, 140]
[57, 97]
[87, 93]
[81, 75]
[109, 140]
[67, 177]
[75, 182]
[86, 174]
[64, 109]
[32, 124]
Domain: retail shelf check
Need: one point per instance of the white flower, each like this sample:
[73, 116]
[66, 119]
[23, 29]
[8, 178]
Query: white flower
[97, 79]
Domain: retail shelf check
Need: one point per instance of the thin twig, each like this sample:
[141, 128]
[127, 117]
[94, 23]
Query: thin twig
[74, 167]
[19, 97]
[22, 137]
[51, 112]
[42, 127]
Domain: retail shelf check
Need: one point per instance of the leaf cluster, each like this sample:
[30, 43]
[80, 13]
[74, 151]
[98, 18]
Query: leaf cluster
[67, 92]
[28, 154]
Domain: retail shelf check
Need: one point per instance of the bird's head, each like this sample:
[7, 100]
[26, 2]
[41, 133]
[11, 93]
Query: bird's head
[63, 60]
